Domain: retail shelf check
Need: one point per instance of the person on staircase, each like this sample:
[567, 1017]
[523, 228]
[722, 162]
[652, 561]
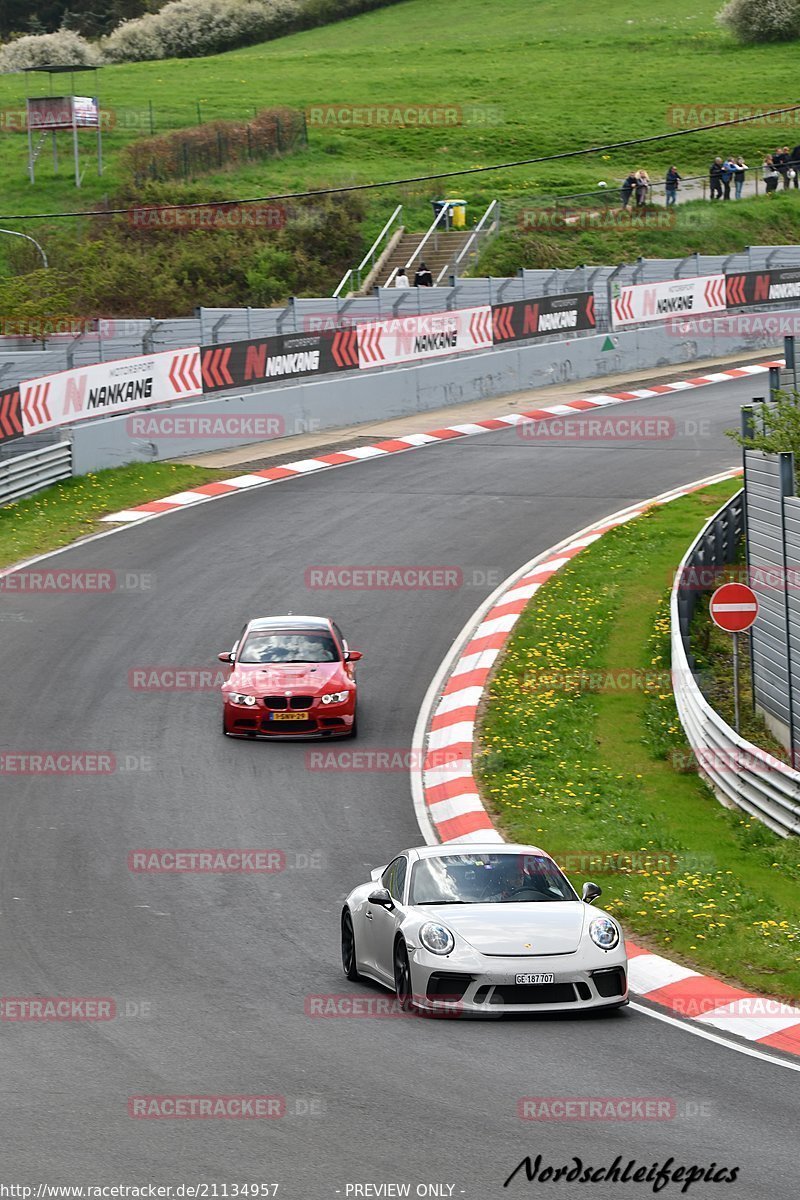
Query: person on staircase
[401, 279]
[423, 277]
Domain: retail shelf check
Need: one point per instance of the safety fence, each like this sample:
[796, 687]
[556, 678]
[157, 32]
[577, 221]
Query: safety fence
[741, 774]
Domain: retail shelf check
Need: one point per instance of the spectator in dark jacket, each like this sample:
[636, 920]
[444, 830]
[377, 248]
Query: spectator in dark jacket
[672, 181]
[627, 189]
[423, 277]
[728, 170]
[796, 165]
[780, 160]
[715, 179]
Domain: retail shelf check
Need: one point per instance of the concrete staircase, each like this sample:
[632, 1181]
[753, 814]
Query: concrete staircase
[440, 250]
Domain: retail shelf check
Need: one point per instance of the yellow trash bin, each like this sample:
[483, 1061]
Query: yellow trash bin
[458, 213]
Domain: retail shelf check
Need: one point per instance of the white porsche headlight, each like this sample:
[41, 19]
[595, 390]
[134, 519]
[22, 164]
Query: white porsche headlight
[334, 697]
[239, 698]
[436, 938]
[604, 933]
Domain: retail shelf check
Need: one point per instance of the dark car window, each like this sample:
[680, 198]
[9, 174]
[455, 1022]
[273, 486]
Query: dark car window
[302, 646]
[496, 878]
[393, 878]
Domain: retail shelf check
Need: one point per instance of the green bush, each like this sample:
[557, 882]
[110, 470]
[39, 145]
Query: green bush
[762, 20]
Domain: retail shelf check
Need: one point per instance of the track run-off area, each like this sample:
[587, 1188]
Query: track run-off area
[212, 974]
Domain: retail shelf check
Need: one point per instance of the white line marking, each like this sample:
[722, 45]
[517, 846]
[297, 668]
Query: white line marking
[713, 1037]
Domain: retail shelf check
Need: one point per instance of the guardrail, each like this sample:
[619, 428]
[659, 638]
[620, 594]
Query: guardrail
[741, 774]
[29, 473]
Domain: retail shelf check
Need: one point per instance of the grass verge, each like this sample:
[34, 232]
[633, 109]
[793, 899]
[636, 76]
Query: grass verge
[581, 750]
[58, 515]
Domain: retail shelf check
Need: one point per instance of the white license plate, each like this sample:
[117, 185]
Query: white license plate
[539, 977]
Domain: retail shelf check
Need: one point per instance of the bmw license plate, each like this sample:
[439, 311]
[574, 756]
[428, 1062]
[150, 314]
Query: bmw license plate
[288, 716]
[539, 977]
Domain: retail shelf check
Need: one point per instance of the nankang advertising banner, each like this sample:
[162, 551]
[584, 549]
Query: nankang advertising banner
[104, 389]
[762, 287]
[430, 335]
[288, 356]
[635, 304]
[524, 319]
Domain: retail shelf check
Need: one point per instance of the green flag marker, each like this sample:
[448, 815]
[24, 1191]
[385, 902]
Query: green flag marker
[607, 344]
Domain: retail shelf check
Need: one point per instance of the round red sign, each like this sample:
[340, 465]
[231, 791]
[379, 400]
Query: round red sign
[734, 607]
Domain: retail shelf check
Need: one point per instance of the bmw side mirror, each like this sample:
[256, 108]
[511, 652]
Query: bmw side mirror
[590, 892]
[381, 897]
[225, 656]
[354, 655]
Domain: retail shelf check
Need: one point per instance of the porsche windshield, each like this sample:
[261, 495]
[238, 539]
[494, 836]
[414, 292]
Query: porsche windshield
[298, 647]
[488, 879]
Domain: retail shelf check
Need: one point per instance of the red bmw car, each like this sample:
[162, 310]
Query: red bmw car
[291, 677]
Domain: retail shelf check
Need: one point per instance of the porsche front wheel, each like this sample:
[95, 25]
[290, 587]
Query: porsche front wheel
[349, 961]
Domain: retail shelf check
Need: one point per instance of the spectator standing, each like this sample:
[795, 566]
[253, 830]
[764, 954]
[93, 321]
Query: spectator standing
[728, 169]
[780, 160]
[627, 189]
[771, 175]
[715, 179]
[401, 279]
[796, 165]
[642, 188]
[740, 168]
[672, 182]
[423, 277]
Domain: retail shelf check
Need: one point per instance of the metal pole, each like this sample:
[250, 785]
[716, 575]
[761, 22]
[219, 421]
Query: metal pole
[789, 358]
[736, 681]
[31, 167]
[75, 146]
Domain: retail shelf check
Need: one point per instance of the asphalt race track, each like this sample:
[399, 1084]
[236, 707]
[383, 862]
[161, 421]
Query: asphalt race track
[215, 970]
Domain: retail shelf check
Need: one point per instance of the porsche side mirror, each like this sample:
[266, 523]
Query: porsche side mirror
[225, 656]
[381, 897]
[354, 655]
[590, 892]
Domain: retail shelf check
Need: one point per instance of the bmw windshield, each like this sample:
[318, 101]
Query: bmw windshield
[488, 879]
[299, 647]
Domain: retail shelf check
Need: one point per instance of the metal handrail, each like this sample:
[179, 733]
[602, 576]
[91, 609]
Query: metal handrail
[370, 255]
[342, 282]
[475, 233]
[440, 216]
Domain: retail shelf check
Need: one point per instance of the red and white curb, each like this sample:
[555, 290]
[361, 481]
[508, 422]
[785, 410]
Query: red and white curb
[412, 441]
[449, 807]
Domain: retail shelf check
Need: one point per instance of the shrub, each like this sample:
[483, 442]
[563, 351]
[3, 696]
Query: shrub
[192, 28]
[762, 20]
[64, 48]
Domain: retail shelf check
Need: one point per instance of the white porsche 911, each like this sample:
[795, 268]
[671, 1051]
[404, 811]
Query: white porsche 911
[483, 930]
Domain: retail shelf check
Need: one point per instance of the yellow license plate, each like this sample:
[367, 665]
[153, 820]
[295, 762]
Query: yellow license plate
[288, 716]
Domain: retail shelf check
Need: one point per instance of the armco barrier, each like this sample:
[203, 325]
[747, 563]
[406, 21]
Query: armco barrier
[741, 774]
[28, 473]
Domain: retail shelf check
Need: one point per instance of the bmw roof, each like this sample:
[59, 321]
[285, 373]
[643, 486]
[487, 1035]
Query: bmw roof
[290, 622]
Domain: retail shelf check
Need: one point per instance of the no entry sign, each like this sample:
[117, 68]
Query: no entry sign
[734, 607]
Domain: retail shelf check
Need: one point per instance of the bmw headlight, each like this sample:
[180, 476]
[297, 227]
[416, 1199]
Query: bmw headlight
[604, 933]
[436, 938]
[238, 698]
[334, 697]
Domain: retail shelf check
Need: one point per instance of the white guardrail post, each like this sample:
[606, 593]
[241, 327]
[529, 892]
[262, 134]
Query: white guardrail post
[741, 774]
